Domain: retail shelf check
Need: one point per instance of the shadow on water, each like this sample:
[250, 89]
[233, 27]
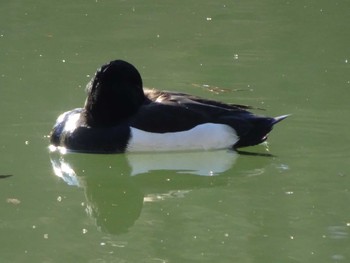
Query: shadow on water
[3, 176]
[117, 186]
[255, 153]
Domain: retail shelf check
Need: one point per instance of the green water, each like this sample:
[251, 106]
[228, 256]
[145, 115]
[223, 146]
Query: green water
[283, 56]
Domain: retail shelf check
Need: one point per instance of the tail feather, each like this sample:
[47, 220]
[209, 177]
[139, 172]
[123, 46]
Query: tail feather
[258, 131]
[279, 118]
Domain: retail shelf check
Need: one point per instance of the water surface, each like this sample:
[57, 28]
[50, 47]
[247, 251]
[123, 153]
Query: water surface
[285, 57]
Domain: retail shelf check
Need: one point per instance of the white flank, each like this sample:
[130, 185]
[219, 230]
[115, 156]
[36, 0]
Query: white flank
[209, 136]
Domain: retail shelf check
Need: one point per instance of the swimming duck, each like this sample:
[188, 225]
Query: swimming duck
[119, 115]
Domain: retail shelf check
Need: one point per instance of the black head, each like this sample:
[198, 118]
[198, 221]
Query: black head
[114, 94]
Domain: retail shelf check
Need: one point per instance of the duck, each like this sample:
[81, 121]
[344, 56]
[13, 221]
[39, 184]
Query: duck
[120, 115]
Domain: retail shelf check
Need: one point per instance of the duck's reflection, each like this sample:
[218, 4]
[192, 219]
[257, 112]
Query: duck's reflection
[206, 163]
[116, 186]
